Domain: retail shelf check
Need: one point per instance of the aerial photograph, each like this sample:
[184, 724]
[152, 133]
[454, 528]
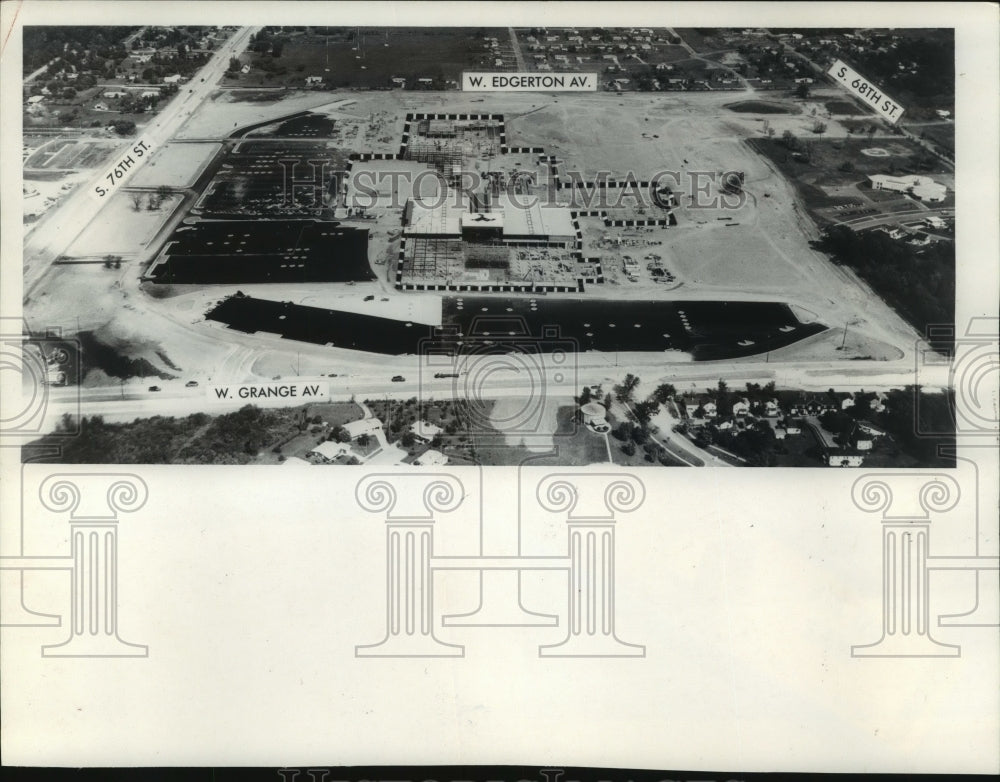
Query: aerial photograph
[663, 247]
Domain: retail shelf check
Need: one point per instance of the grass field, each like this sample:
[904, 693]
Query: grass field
[943, 135]
[843, 107]
[700, 40]
[412, 53]
[823, 162]
[760, 107]
[665, 53]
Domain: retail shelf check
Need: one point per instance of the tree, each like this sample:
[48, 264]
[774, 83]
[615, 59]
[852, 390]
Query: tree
[645, 410]
[802, 90]
[723, 399]
[364, 440]
[788, 139]
[408, 439]
[136, 201]
[664, 393]
[624, 391]
[837, 423]
[163, 192]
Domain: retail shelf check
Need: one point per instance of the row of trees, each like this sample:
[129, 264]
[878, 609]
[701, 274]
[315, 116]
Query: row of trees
[85, 47]
[918, 282]
[154, 200]
[231, 438]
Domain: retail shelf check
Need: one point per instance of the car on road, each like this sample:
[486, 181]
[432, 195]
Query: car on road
[191, 384]
[154, 388]
[399, 379]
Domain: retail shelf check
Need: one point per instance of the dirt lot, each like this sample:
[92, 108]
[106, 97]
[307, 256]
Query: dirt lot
[175, 165]
[761, 251]
[120, 229]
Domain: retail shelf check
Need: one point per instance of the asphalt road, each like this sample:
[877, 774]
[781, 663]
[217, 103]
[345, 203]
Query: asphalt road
[134, 399]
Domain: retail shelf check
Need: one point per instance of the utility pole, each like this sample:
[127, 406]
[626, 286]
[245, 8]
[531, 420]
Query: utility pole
[844, 340]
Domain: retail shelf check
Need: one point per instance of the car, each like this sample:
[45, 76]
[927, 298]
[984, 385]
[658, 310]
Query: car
[369, 298]
[154, 388]
[398, 379]
[191, 384]
[445, 374]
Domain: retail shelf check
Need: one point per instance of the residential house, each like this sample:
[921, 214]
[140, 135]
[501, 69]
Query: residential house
[878, 402]
[431, 458]
[425, 431]
[367, 426]
[813, 407]
[870, 430]
[793, 425]
[329, 451]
